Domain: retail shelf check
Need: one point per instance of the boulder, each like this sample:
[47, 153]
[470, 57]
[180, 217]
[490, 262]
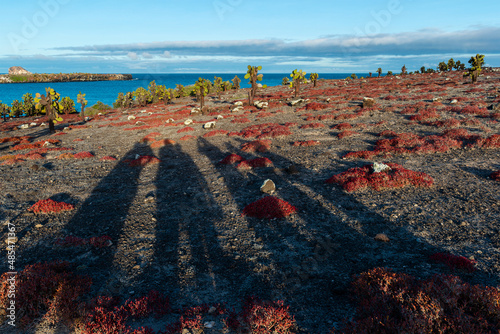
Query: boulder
[268, 187]
[209, 125]
[18, 70]
[368, 102]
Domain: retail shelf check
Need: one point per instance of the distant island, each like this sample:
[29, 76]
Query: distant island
[18, 74]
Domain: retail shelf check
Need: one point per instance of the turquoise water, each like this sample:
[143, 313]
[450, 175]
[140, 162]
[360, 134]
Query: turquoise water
[107, 91]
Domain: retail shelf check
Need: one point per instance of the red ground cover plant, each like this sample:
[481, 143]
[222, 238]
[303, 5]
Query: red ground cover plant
[257, 146]
[454, 261]
[316, 106]
[425, 114]
[360, 178]
[142, 161]
[306, 143]
[269, 207]
[50, 206]
[244, 165]
[108, 158]
[34, 145]
[78, 139]
[343, 126]
[83, 155]
[266, 130]
[186, 129]
[162, 143]
[65, 156]
[231, 159]
[150, 137]
[107, 317]
[347, 133]
[398, 303]
[187, 137]
[263, 317]
[214, 133]
[496, 175]
[16, 140]
[260, 162]
[470, 110]
[72, 241]
[47, 290]
[312, 126]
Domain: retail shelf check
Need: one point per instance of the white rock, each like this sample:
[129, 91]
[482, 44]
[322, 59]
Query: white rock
[24, 126]
[43, 124]
[238, 104]
[437, 99]
[66, 128]
[261, 105]
[296, 102]
[220, 117]
[131, 117]
[455, 101]
[268, 187]
[143, 111]
[259, 85]
[86, 119]
[380, 167]
[328, 100]
[209, 125]
[33, 124]
[186, 122]
[195, 110]
[170, 120]
[237, 109]
[137, 156]
[209, 324]
[99, 114]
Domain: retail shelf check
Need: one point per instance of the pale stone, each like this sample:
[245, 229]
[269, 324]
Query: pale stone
[293, 103]
[24, 126]
[195, 110]
[131, 117]
[187, 121]
[382, 237]
[238, 104]
[268, 187]
[220, 117]
[455, 101]
[209, 125]
[380, 167]
[33, 124]
[237, 109]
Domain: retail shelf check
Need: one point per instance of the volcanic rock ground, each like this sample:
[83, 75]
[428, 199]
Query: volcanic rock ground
[176, 226]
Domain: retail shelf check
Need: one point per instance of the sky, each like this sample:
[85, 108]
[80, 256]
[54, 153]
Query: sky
[224, 36]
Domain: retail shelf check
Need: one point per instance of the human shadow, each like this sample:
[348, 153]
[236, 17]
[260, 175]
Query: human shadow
[192, 259]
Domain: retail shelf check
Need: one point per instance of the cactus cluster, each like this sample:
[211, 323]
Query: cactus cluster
[4, 110]
[142, 96]
[314, 78]
[236, 82]
[475, 70]
[298, 77]
[28, 104]
[202, 88]
[83, 102]
[49, 104]
[254, 76]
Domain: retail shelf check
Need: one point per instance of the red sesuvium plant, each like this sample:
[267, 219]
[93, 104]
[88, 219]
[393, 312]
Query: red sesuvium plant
[269, 207]
[107, 317]
[214, 133]
[312, 126]
[162, 143]
[50, 206]
[347, 133]
[231, 159]
[47, 290]
[35, 145]
[361, 178]
[107, 158]
[83, 155]
[72, 241]
[256, 146]
[306, 143]
[454, 261]
[264, 317]
[142, 161]
[266, 130]
[399, 303]
[186, 129]
[495, 175]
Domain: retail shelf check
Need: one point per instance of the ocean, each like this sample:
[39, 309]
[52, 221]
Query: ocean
[107, 91]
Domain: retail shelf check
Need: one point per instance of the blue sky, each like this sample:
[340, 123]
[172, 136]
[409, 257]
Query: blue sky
[161, 36]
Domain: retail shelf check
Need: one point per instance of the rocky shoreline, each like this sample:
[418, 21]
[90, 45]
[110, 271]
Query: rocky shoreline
[20, 75]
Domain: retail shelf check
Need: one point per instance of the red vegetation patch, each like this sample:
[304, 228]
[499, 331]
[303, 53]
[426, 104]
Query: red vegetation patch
[187, 137]
[269, 207]
[65, 156]
[264, 114]
[471, 110]
[50, 206]
[316, 106]
[83, 155]
[267, 317]
[186, 129]
[45, 290]
[162, 143]
[108, 158]
[312, 126]
[244, 165]
[107, 317]
[72, 241]
[77, 139]
[260, 162]
[37, 144]
[59, 134]
[151, 137]
[425, 114]
[231, 159]
[343, 126]
[265, 130]
[306, 143]
[347, 133]
[360, 178]
[214, 133]
[142, 161]
[23, 139]
[256, 146]
[454, 261]
[399, 303]
[495, 175]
